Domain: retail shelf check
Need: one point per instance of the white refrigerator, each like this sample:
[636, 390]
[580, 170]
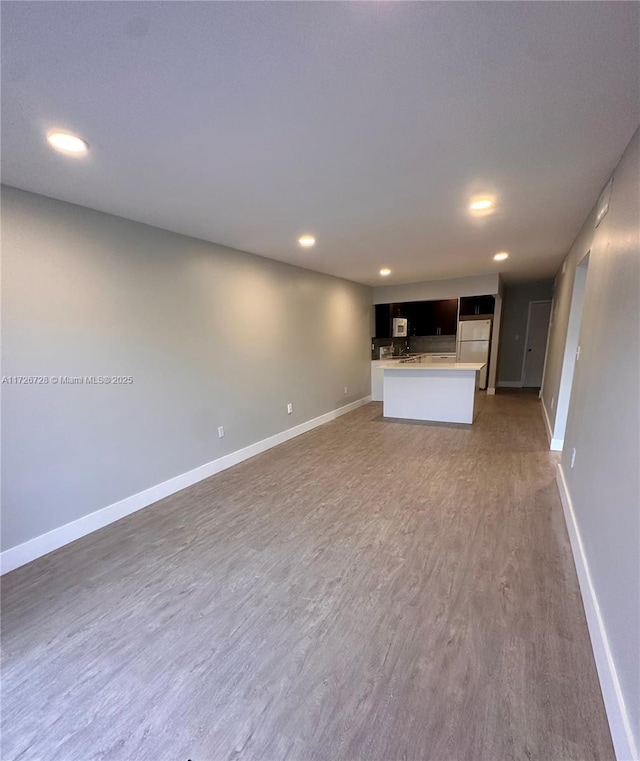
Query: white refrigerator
[474, 337]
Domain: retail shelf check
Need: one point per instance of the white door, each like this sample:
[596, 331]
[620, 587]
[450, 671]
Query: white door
[536, 344]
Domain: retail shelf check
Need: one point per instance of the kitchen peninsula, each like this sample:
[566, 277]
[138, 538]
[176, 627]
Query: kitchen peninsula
[442, 392]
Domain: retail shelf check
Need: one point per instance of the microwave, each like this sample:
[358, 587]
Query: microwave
[400, 327]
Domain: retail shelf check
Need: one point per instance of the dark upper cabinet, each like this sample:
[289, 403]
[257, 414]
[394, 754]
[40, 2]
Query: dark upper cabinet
[471, 306]
[431, 318]
[426, 318]
[443, 319]
[420, 322]
[401, 310]
[383, 320]
[385, 314]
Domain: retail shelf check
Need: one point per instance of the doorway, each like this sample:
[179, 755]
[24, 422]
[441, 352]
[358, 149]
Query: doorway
[535, 345]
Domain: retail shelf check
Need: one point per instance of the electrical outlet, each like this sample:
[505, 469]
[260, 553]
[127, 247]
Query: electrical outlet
[577, 353]
[553, 401]
[573, 457]
[289, 408]
[221, 432]
[346, 390]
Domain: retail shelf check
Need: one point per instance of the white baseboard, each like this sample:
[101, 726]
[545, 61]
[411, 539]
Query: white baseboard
[555, 445]
[621, 733]
[41, 545]
[509, 384]
[547, 423]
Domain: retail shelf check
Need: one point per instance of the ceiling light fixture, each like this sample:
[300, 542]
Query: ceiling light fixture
[385, 271]
[306, 241]
[67, 143]
[480, 204]
[501, 256]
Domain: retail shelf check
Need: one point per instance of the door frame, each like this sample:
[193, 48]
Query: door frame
[526, 338]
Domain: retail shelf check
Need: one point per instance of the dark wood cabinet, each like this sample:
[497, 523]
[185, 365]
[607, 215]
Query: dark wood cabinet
[426, 318]
[383, 320]
[385, 314]
[420, 324]
[473, 306]
[432, 318]
[443, 318]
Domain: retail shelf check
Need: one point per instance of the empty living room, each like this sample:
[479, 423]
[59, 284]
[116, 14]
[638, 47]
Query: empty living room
[320, 381]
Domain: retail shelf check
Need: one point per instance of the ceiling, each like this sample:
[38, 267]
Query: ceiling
[367, 124]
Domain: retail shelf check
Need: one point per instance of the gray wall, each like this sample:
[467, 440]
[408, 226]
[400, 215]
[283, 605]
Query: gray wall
[427, 290]
[604, 416]
[515, 312]
[211, 336]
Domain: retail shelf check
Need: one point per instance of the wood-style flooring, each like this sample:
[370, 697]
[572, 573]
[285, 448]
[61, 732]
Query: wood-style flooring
[372, 590]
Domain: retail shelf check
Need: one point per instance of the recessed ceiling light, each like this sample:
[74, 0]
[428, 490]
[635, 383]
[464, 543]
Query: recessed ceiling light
[306, 241]
[480, 206]
[501, 256]
[66, 143]
[385, 271]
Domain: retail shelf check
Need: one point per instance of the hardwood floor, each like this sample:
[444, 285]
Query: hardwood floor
[371, 590]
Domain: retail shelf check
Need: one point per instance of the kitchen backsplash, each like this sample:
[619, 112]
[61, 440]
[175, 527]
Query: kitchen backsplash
[415, 344]
[444, 344]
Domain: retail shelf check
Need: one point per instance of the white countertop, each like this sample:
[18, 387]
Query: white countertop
[431, 366]
[425, 356]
